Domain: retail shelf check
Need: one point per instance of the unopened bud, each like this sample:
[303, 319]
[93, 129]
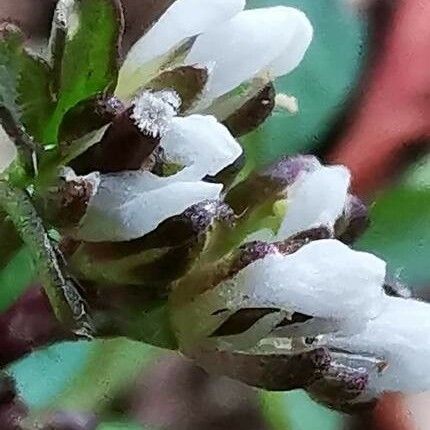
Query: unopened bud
[270, 183]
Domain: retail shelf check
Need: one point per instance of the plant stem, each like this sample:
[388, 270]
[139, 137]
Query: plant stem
[61, 289]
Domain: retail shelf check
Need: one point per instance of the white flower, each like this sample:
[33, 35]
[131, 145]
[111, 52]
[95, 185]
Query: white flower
[236, 45]
[324, 280]
[201, 144]
[129, 205]
[399, 337]
[269, 40]
[317, 198]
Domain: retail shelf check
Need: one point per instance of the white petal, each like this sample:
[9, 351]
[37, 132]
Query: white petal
[316, 199]
[252, 42]
[132, 204]
[201, 144]
[184, 19]
[400, 335]
[299, 43]
[7, 150]
[324, 279]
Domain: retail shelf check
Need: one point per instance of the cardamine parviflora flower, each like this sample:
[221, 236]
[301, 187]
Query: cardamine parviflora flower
[125, 186]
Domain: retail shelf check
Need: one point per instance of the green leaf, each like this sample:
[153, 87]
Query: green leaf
[86, 36]
[321, 83]
[10, 240]
[400, 233]
[112, 366]
[24, 83]
[16, 277]
[273, 410]
[296, 411]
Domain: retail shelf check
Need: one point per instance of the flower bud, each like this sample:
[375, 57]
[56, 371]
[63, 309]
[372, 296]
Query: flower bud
[265, 291]
[270, 183]
[344, 383]
[66, 204]
[88, 115]
[354, 221]
[275, 371]
[156, 259]
[133, 135]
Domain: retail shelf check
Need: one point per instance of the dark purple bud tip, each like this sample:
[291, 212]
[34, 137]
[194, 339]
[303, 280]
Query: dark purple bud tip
[294, 243]
[269, 184]
[251, 252]
[287, 169]
[88, 115]
[342, 384]
[354, 222]
[74, 197]
[126, 145]
[277, 371]
[70, 421]
[204, 214]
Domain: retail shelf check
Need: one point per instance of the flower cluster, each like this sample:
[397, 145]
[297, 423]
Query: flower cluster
[257, 277]
[298, 308]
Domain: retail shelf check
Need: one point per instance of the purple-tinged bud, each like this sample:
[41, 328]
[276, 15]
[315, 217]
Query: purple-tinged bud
[133, 135]
[288, 169]
[251, 252]
[294, 243]
[203, 214]
[87, 116]
[158, 258]
[29, 324]
[275, 371]
[65, 205]
[354, 221]
[344, 384]
[269, 184]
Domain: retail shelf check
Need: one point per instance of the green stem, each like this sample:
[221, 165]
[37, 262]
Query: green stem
[68, 305]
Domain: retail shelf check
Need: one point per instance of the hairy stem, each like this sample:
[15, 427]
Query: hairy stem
[61, 289]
